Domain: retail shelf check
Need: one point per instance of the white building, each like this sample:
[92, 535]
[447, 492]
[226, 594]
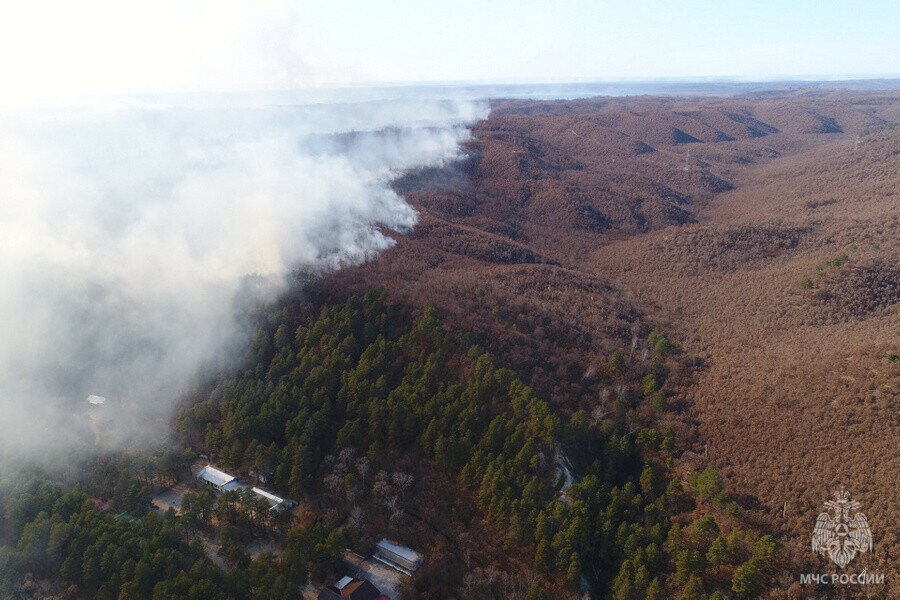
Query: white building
[276, 503]
[397, 556]
[220, 480]
[226, 482]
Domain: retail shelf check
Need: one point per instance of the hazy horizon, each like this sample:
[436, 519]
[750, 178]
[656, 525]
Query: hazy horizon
[468, 91]
[54, 52]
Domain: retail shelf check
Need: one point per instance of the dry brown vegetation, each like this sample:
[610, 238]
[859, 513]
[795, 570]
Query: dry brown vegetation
[575, 226]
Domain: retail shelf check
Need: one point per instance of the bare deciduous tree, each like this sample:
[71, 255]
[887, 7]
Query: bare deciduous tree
[393, 506]
[469, 583]
[396, 515]
[356, 518]
[333, 482]
[346, 455]
[403, 480]
[362, 467]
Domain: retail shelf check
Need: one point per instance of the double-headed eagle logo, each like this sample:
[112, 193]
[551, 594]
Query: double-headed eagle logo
[839, 534]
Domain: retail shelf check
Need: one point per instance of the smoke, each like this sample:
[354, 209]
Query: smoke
[127, 231]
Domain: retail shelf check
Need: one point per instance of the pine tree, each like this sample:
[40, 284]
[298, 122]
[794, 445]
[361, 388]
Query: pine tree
[573, 573]
[616, 362]
[543, 557]
[654, 590]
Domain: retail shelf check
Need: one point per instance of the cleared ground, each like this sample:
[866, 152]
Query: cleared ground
[170, 498]
[386, 579]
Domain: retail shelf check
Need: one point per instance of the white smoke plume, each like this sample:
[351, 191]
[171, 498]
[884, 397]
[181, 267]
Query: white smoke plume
[125, 233]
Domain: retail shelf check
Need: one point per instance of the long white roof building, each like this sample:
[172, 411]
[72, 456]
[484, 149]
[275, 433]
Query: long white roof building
[397, 556]
[220, 480]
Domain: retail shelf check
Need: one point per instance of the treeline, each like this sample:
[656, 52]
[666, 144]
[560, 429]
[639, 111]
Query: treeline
[53, 534]
[364, 378]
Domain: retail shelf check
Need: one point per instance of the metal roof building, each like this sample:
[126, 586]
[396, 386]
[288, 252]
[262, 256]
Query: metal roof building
[276, 503]
[354, 589]
[220, 480]
[398, 557]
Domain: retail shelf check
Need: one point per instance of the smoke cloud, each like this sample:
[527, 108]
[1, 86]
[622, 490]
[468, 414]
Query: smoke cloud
[127, 231]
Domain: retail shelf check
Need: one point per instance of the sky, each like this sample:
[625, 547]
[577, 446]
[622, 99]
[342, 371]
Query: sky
[54, 51]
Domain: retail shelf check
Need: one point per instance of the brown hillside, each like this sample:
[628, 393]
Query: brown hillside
[576, 225]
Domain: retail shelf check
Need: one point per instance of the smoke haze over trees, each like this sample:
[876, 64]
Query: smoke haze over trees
[128, 230]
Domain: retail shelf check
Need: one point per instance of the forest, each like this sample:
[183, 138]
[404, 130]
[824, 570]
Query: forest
[330, 404]
[596, 367]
